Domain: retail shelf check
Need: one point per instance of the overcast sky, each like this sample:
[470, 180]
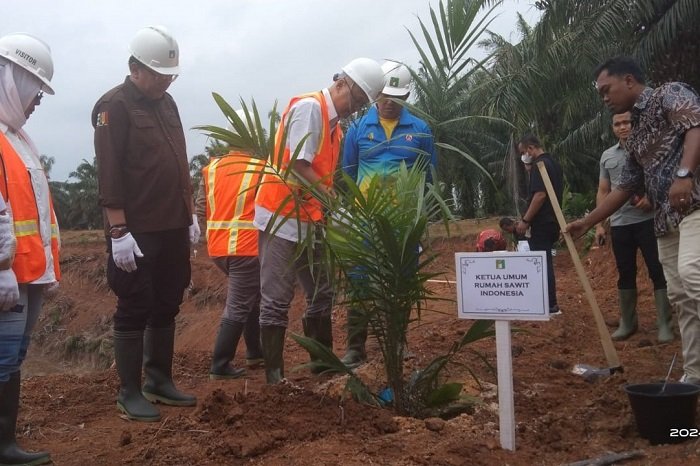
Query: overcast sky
[262, 49]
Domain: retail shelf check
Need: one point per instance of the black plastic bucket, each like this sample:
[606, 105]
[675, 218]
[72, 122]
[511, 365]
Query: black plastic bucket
[667, 417]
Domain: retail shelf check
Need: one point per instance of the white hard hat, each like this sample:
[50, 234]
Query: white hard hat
[157, 49]
[241, 114]
[367, 74]
[32, 54]
[398, 79]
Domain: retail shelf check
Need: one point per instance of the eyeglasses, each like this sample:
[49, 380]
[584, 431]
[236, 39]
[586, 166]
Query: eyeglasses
[362, 101]
[161, 77]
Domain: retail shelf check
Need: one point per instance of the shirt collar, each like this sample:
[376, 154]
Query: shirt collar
[643, 99]
[373, 116]
[133, 91]
[332, 112]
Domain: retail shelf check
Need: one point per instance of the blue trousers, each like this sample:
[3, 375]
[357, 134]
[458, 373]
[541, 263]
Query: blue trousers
[16, 329]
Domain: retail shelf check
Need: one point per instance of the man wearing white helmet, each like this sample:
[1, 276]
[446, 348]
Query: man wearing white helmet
[226, 199]
[376, 145]
[146, 194]
[311, 124]
[27, 226]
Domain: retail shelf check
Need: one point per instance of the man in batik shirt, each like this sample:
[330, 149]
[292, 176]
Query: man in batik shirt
[664, 154]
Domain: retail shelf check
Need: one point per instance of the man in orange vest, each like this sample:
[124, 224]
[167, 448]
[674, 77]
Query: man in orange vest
[227, 200]
[27, 226]
[284, 219]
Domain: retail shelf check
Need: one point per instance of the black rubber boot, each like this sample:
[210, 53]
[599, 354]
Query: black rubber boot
[158, 348]
[355, 353]
[225, 349]
[128, 356]
[321, 330]
[10, 452]
[628, 315]
[253, 349]
[273, 349]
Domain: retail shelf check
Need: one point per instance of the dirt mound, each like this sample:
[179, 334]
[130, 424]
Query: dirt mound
[68, 401]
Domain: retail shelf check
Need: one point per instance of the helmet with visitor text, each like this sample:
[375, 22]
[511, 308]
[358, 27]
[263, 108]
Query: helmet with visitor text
[32, 54]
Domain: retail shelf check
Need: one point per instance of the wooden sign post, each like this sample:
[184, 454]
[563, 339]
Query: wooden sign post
[503, 286]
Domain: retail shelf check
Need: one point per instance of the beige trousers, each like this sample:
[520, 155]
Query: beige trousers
[679, 253]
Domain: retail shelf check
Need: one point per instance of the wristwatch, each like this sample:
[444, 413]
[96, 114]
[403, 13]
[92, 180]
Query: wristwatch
[684, 173]
[117, 231]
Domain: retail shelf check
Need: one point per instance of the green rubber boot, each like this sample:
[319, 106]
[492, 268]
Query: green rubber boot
[628, 315]
[158, 349]
[663, 317]
[225, 350]
[10, 452]
[273, 348]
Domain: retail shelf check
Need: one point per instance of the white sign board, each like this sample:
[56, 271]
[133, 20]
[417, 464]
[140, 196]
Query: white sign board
[502, 285]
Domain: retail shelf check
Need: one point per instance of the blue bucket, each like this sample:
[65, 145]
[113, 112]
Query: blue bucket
[667, 417]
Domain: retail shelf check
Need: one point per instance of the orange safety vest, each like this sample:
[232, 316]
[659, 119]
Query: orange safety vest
[16, 186]
[274, 192]
[230, 185]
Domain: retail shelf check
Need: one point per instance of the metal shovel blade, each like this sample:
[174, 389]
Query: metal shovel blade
[593, 374]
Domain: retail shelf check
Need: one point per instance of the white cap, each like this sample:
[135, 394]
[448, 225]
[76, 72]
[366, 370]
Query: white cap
[397, 79]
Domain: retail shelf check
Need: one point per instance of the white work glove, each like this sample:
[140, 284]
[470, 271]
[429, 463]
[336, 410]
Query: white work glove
[9, 291]
[123, 251]
[195, 232]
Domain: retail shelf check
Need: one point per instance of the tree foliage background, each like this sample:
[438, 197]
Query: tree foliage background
[540, 83]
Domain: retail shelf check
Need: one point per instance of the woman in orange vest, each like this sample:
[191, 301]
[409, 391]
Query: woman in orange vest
[227, 192]
[28, 230]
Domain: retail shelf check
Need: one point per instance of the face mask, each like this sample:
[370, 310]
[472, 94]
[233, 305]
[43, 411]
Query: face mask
[526, 159]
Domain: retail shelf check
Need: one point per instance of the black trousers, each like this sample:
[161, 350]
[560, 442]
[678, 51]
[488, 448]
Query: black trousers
[626, 240]
[152, 294]
[542, 238]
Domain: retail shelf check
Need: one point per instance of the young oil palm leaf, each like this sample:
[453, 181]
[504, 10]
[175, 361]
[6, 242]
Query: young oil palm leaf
[442, 85]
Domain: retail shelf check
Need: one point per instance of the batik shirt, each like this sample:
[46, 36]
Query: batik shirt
[660, 119]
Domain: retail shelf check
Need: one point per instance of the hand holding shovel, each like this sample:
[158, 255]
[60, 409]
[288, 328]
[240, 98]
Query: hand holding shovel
[613, 360]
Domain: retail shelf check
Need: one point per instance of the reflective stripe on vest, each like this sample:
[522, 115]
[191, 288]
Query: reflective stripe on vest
[231, 183]
[16, 185]
[276, 196]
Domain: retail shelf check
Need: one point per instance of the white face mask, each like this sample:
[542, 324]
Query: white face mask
[526, 159]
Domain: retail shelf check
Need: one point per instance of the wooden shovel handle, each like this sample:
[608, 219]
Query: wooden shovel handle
[605, 339]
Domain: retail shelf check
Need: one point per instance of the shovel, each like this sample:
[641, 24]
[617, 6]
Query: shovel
[588, 372]
[668, 374]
